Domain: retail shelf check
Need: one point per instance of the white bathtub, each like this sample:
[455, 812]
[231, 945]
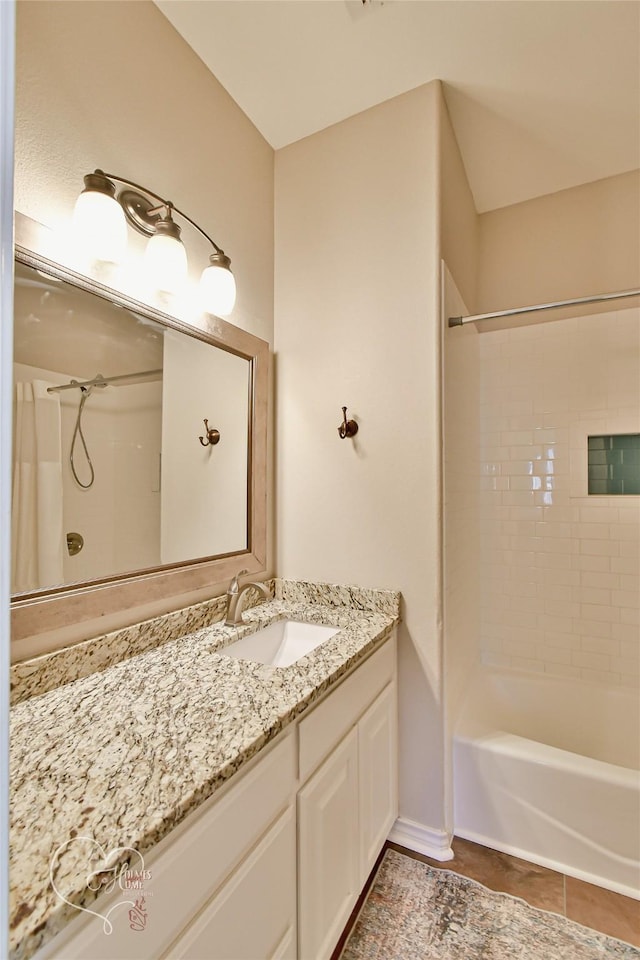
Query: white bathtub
[548, 769]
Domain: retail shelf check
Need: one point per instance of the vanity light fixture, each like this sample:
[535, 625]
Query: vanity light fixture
[100, 224]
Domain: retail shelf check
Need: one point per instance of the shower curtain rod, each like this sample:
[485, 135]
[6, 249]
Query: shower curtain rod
[459, 321]
[99, 381]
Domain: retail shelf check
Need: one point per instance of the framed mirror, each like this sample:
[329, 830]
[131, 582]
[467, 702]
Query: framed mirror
[139, 460]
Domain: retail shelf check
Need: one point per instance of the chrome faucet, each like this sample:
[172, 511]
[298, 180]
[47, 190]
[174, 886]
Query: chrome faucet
[234, 593]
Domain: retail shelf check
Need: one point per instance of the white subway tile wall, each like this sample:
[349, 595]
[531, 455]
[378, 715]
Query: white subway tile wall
[560, 574]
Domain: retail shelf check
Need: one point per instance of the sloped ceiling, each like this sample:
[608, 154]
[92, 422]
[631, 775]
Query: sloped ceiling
[543, 94]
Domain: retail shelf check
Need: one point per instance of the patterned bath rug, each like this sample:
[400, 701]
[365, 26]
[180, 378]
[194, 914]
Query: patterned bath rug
[415, 912]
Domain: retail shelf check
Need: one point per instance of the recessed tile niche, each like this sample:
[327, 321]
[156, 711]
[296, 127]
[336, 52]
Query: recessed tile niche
[614, 464]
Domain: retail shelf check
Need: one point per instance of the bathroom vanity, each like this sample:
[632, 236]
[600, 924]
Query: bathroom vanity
[253, 799]
[172, 794]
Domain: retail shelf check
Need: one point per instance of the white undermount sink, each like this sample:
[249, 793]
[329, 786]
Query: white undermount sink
[281, 643]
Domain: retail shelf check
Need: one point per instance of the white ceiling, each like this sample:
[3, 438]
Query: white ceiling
[543, 94]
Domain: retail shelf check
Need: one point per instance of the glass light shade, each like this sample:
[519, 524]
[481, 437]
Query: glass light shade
[217, 290]
[165, 263]
[99, 227]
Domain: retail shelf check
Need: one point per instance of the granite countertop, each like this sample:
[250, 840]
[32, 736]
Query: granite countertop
[124, 754]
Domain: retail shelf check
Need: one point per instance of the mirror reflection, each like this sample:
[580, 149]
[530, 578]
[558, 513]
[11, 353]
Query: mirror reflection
[109, 474]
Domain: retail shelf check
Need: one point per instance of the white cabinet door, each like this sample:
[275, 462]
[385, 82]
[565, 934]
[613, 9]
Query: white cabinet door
[188, 867]
[254, 916]
[377, 776]
[325, 726]
[328, 881]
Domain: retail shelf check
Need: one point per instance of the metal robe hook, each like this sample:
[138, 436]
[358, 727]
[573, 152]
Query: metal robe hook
[348, 428]
[213, 435]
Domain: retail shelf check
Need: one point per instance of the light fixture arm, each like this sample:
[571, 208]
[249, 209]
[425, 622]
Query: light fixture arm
[135, 220]
[151, 215]
[200, 230]
[131, 183]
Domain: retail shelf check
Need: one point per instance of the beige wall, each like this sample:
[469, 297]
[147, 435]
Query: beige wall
[462, 541]
[460, 386]
[357, 323]
[365, 211]
[142, 105]
[459, 222]
[574, 243]
[208, 481]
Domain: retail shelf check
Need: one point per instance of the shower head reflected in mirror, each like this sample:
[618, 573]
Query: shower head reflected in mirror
[86, 387]
[85, 393]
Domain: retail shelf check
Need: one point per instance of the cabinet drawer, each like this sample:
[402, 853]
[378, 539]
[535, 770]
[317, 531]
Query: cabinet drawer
[254, 915]
[187, 867]
[331, 720]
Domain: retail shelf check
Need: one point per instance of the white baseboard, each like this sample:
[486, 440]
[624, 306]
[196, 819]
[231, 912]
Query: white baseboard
[415, 836]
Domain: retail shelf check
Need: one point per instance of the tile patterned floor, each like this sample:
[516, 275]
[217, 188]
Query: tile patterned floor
[602, 910]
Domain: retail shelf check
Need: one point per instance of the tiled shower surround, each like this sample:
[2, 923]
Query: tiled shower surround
[559, 568]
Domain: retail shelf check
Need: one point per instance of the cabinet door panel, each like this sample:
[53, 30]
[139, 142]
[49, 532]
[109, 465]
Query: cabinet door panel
[328, 723]
[254, 915]
[377, 768]
[187, 867]
[328, 851]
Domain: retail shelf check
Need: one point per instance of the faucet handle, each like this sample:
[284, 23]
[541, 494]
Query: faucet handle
[234, 586]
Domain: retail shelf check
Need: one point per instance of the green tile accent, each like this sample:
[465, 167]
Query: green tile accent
[605, 487]
[614, 464]
[625, 441]
[598, 471]
[623, 472]
[597, 487]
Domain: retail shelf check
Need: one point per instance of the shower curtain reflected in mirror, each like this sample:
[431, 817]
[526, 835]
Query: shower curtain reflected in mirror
[37, 537]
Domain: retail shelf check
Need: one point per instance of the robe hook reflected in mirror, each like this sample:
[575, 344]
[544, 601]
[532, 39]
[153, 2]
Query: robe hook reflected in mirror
[213, 435]
[348, 428]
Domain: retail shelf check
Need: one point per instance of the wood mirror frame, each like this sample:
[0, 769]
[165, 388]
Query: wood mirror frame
[49, 610]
